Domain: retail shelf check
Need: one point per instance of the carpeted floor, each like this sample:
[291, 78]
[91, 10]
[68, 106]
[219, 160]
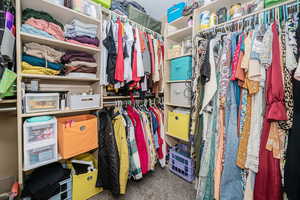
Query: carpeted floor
[158, 185]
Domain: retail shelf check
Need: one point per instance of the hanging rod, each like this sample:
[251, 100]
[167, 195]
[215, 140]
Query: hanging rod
[110, 13]
[8, 109]
[224, 24]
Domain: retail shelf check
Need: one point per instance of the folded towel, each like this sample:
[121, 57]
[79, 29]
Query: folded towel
[35, 61]
[26, 28]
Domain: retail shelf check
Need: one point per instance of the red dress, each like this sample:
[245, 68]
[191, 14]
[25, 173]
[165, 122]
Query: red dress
[268, 179]
[119, 74]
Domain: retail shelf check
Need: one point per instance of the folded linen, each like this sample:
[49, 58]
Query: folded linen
[30, 69]
[35, 61]
[26, 28]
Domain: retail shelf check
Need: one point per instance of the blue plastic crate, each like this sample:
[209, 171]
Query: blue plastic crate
[181, 165]
[175, 12]
[181, 69]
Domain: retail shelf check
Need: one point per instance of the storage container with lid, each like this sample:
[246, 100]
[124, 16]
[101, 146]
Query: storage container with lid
[41, 102]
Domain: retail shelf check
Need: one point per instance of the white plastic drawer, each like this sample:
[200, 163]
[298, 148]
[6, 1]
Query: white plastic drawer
[38, 132]
[40, 156]
[84, 101]
[41, 102]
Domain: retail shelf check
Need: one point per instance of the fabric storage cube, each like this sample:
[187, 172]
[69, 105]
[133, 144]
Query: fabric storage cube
[65, 190]
[181, 68]
[77, 135]
[175, 12]
[41, 102]
[104, 3]
[178, 125]
[180, 94]
[84, 101]
[137, 16]
[40, 155]
[84, 184]
[39, 130]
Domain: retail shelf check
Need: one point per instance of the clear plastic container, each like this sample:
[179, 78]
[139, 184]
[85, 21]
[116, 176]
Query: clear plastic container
[41, 102]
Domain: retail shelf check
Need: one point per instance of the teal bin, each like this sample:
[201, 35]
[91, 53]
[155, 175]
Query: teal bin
[181, 69]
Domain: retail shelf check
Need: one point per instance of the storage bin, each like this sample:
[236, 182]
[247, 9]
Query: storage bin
[41, 102]
[181, 68]
[39, 132]
[175, 12]
[181, 94]
[153, 24]
[86, 7]
[65, 190]
[104, 3]
[182, 165]
[84, 184]
[40, 155]
[137, 16]
[77, 135]
[178, 125]
[59, 2]
[175, 51]
[84, 101]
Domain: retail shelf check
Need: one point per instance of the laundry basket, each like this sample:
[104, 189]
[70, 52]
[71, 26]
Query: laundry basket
[181, 165]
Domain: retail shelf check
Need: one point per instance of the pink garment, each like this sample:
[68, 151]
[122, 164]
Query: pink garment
[49, 27]
[83, 44]
[140, 139]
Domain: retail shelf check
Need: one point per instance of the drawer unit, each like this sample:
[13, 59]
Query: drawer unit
[181, 68]
[40, 155]
[84, 101]
[36, 131]
[41, 102]
[175, 12]
[178, 125]
[181, 94]
[65, 190]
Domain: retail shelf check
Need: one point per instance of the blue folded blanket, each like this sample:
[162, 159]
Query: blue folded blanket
[35, 61]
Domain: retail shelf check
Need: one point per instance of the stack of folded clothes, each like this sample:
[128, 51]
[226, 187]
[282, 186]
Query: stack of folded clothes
[82, 33]
[41, 59]
[79, 64]
[42, 24]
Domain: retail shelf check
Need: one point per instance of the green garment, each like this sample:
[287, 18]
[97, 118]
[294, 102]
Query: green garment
[29, 13]
[7, 82]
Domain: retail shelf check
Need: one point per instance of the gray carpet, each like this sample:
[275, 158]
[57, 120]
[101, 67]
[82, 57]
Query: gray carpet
[158, 185]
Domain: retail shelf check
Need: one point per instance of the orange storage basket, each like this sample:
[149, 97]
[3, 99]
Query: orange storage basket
[77, 135]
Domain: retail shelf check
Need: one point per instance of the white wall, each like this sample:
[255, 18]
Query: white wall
[157, 8]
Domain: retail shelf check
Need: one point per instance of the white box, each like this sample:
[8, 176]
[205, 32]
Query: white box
[39, 132]
[40, 155]
[181, 94]
[84, 101]
[41, 102]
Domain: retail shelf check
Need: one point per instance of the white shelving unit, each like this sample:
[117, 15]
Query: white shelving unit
[52, 83]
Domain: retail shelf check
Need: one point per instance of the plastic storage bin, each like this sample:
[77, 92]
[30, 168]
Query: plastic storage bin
[178, 125]
[65, 190]
[104, 3]
[175, 12]
[181, 94]
[181, 165]
[137, 16]
[87, 7]
[40, 155]
[84, 184]
[77, 135]
[41, 102]
[84, 101]
[181, 68]
[39, 132]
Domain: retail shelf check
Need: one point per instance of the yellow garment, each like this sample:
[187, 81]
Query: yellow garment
[30, 69]
[120, 135]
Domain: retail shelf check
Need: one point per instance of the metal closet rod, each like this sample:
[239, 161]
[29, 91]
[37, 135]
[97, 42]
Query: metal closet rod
[8, 109]
[242, 18]
[146, 98]
[132, 22]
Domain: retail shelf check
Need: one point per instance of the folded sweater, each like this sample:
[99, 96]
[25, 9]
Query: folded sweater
[35, 61]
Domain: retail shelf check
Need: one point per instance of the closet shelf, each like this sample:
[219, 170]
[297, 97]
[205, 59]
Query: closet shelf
[181, 34]
[188, 54]
[25, 37]
[181, 22]
[63, 78]
[61, 13]
[58, 112]
[183, 81]
[176, 105]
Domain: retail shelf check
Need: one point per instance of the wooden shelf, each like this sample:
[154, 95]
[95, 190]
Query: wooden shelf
[184, 81]
[58, 112]
[60, 13]
[63, 78]
[181, 34]
[176, 105]
[60, 44]
[188, 54]
[181, 22]
[8, 101]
